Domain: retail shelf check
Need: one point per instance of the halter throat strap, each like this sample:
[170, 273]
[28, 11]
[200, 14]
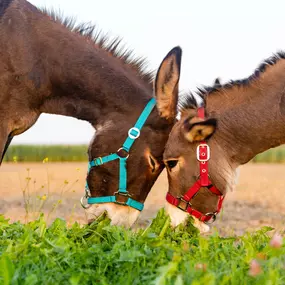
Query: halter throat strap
[122, 196]
[184, 202]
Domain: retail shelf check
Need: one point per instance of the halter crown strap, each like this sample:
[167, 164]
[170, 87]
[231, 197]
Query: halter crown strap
[133, 134]
[201, 112]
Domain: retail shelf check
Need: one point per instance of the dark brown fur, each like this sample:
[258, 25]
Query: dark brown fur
[50, 65]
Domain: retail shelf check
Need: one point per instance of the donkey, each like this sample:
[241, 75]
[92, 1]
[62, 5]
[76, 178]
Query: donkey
[235, 122]
[51, 65]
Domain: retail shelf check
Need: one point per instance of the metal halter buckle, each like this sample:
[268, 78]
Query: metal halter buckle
[125, 195]
[120, 154]
[187, 203]
[213, 218]
[99, 159]
[134, 137]
[198, 153]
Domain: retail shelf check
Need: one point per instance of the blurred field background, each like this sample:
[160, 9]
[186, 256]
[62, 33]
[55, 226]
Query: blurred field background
[71, 153]
[54, 153]
[51, 179]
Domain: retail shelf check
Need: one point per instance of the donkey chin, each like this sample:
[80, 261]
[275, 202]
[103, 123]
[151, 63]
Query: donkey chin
[178, 217]
[119, 215]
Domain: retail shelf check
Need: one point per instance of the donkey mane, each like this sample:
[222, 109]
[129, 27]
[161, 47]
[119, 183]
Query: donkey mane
[114, 45]
[188, 100]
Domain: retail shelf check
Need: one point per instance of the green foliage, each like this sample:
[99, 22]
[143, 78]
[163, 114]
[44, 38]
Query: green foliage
[104, 254]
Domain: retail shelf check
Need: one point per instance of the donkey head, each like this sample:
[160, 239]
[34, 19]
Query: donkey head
[144, 160]
[183, 163]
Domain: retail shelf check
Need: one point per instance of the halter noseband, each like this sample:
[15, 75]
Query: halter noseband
[184, 202]
[122, 196]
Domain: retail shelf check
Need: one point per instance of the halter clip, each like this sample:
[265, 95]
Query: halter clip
[84, 202]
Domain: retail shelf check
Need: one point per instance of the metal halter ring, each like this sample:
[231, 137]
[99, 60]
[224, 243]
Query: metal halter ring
[213, 218]
[84, 202]
[134, 137]
[124, 157]
[125, 195]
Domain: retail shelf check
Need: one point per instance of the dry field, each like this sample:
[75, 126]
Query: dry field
[257, 201]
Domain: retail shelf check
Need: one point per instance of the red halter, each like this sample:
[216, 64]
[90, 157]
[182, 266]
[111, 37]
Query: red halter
[184, 202]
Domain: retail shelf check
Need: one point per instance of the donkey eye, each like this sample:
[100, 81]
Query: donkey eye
[171, 163]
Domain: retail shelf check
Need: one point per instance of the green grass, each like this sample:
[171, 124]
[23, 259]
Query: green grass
[102, 254]
[65, 153]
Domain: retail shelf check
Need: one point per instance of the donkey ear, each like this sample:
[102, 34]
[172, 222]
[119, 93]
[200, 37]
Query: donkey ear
[166, 84]
[197, 129]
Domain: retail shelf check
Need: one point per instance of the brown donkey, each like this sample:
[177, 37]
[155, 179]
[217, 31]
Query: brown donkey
[242, 118]
[49, 65]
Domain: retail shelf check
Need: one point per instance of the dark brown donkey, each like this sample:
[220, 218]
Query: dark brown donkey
[242, 118]
[49, 65]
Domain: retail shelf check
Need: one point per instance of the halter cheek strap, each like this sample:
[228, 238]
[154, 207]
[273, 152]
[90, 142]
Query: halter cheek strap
[184, 202]
[122, 196]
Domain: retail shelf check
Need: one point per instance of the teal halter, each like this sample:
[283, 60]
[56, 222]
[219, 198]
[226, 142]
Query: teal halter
[133, 134]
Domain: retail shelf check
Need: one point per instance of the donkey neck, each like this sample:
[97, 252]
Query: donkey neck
[251, 116]
[88, 82]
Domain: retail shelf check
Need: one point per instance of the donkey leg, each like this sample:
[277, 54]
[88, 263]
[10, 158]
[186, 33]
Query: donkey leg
[4, 142]
[9, 140]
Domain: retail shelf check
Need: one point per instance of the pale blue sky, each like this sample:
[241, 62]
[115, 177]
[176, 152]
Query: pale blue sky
[220, 38]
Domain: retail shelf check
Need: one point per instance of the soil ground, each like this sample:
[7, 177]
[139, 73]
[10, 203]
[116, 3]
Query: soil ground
[258, 200]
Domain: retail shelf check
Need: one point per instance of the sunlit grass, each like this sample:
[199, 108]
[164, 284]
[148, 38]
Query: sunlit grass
[35, 253]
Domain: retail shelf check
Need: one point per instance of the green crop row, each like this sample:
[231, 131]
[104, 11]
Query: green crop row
[276, 155]
[54, 153]
[34, 253]
[65, 153]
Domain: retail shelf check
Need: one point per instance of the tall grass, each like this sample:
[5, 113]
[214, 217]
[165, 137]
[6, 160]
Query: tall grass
[65, 153]
[35, 253]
